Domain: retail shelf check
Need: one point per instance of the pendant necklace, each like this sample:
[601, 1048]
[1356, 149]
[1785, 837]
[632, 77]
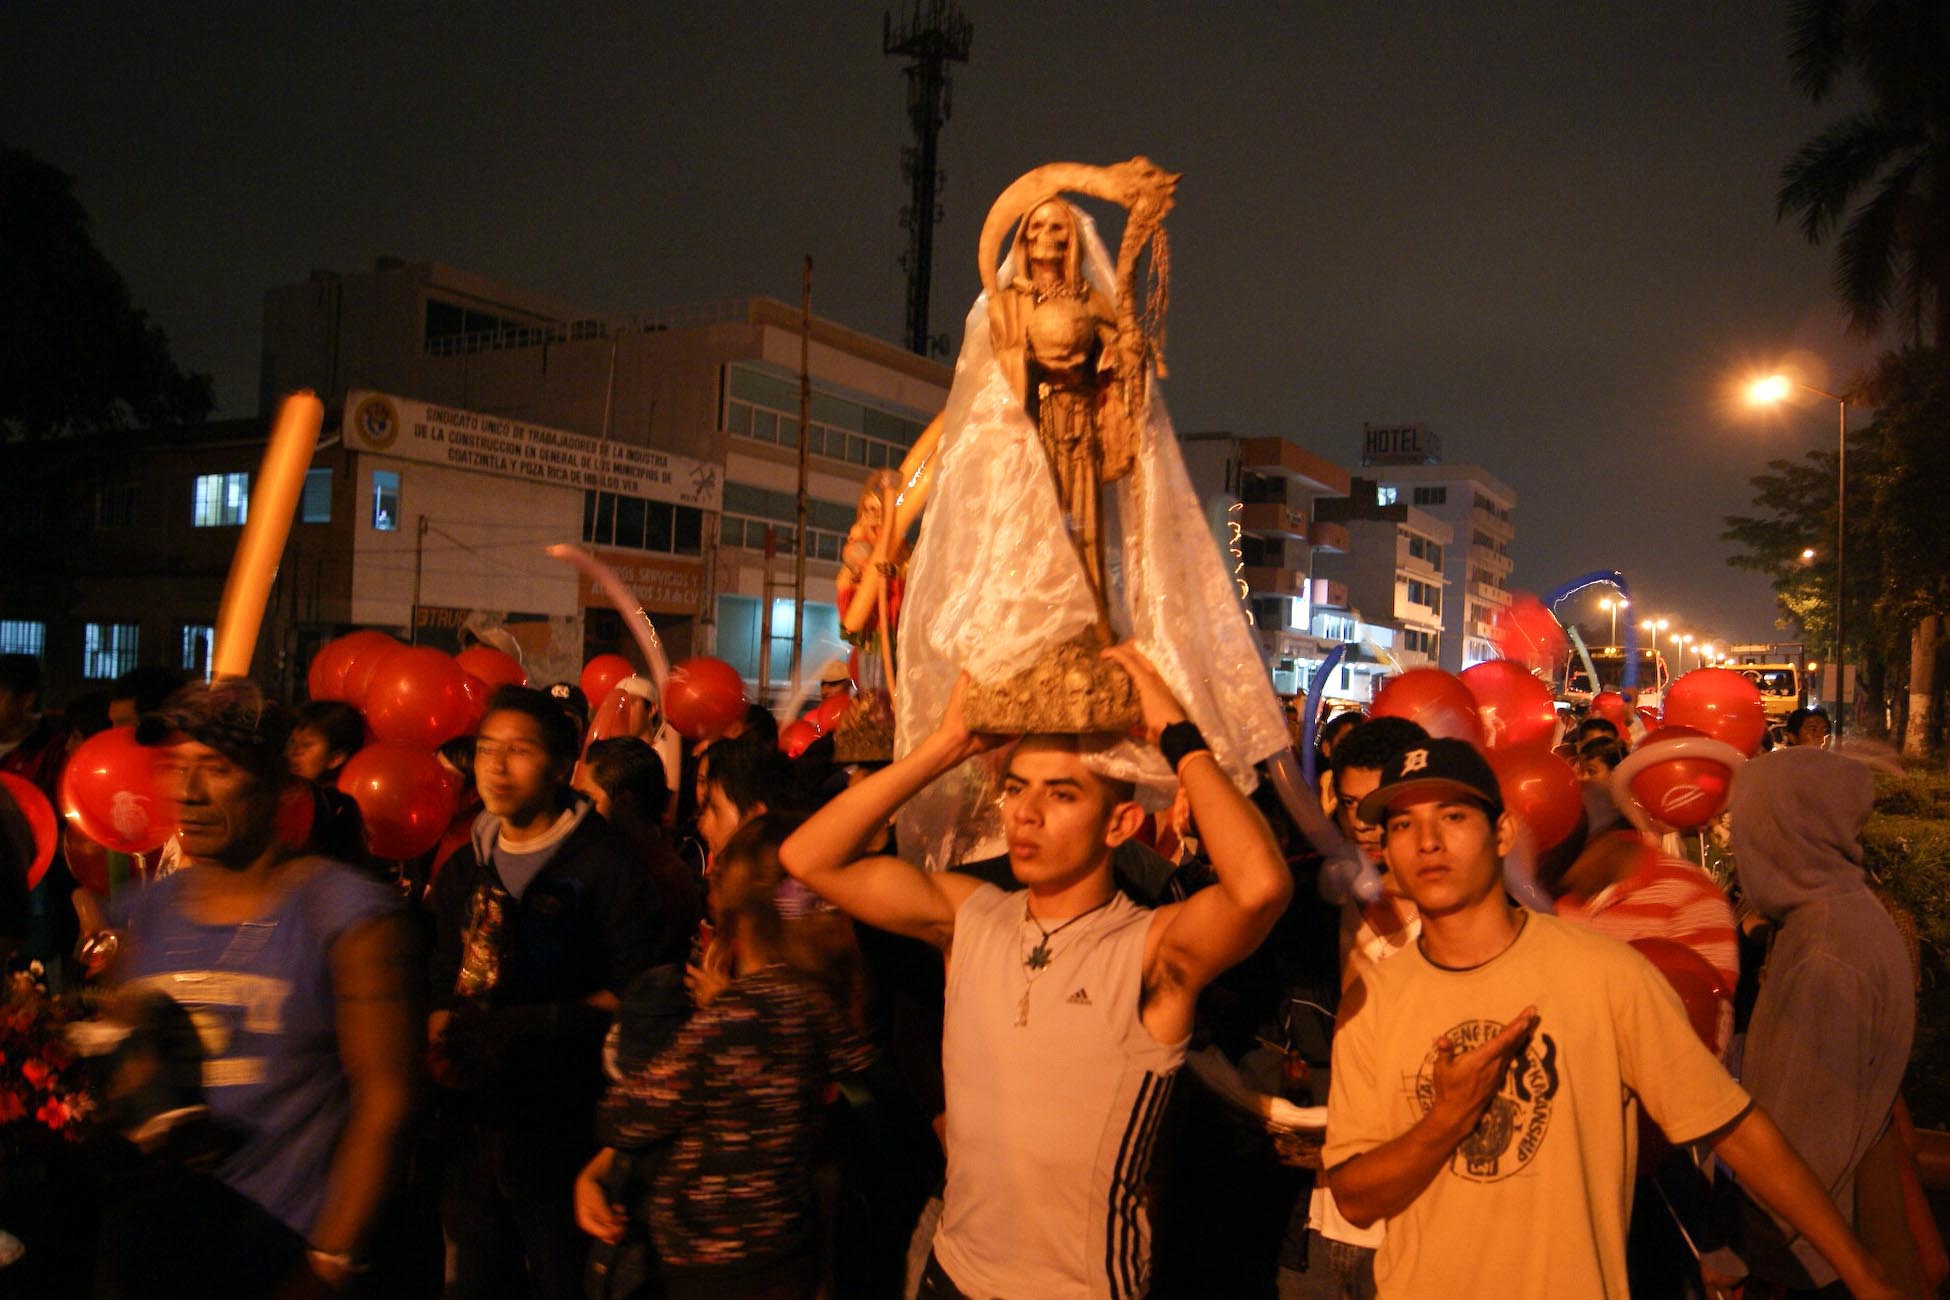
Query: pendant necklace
[1037, 960]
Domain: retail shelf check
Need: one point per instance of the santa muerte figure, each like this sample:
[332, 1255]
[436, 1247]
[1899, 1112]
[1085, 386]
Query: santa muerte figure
[1023, 571]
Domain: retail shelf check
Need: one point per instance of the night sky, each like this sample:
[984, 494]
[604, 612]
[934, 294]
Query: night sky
[1545, 230]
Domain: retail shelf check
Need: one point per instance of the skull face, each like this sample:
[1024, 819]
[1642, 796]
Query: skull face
[1049, 232]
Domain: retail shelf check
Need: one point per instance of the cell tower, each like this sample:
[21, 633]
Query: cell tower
[932, 34]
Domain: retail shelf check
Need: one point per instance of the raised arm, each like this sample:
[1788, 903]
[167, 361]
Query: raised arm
[1193, 941]
[1768, 1167]
[883, 891]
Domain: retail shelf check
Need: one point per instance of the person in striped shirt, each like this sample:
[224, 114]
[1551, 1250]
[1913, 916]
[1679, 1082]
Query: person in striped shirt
[1622, 886]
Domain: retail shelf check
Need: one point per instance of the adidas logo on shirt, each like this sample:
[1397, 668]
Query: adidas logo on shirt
[1078, 999]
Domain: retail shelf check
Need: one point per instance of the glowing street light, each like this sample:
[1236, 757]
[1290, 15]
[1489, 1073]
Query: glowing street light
[1608, 603]
[1807, 552]
[1770, 391]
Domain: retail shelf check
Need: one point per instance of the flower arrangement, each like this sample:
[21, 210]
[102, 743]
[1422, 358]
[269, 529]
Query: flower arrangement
[41, 1083]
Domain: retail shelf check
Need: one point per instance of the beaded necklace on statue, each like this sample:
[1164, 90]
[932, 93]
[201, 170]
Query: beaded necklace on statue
[1037, 959]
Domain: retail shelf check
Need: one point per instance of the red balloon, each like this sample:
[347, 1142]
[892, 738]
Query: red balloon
[362, 662]
[796, 736]
[1650, 717]
[828, 714]
[493, 667]
[478, 695]
[109, 794]
[326, 674]
[1707, 999]
[418, 696]
[600, 674]
[1659, 733]
[1525, 631]
[403, 797]
[325, 680]
[703, 697]
[1684, 793]
[1709, 1010]
[1721, 703]
[1514, 707]
[1440, 704]
[43, 828]
[297, 810]
[1540, 790]
[87, 861]
[1610, 706]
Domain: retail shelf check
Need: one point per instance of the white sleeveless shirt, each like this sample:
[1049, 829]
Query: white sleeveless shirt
[1050, 1124]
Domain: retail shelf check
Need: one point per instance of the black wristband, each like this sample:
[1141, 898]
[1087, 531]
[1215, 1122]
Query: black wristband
[1178, 741]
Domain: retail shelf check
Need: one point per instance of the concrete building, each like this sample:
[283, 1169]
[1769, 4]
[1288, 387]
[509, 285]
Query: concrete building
[1264, 500]
[1395, 569]
[469, 424]
[1477, 508]
[1405, 462]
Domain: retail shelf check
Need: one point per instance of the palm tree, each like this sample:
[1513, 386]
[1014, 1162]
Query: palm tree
[1893, 251]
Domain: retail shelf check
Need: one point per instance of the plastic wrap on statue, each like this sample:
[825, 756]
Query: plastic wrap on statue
[993, 586]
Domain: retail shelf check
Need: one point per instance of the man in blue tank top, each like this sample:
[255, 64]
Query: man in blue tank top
[294, 970]
[1068, 1007]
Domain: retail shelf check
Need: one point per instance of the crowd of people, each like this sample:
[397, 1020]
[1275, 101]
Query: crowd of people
[636, 1029]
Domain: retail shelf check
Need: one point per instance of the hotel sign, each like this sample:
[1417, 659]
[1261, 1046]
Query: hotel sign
[1399, 444]
[533, 453]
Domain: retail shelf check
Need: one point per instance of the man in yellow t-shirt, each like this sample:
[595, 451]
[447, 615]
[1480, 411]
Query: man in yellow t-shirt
[1486, 1080]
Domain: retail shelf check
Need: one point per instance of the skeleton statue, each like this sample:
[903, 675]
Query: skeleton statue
[1053, 416]
[1076, 356]
[1056, 339]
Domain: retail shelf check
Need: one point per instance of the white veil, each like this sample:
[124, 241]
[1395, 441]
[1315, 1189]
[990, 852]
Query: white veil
[994, 581]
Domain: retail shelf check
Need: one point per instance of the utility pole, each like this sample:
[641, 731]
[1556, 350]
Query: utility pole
[933, 34]
[419, 558]
[765, 621]
[805, 428]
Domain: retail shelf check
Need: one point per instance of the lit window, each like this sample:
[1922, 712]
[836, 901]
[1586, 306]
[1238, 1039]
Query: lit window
[19, 636]
[198, 638]
[220, 500]
[1384, 496]
[315, 502]
[740, 633]
[107, 649]
[385, 500]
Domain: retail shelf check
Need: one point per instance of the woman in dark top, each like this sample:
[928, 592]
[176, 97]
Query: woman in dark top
[739, 1097]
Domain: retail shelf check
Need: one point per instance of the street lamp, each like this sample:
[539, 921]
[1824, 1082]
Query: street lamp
[1769, 392]
[1614, 606]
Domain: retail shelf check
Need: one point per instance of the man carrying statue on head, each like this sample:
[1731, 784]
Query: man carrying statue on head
[1060, 517]
[1097, 680]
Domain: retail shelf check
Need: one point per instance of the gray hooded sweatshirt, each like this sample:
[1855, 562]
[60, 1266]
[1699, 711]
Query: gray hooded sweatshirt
[1831, 1033]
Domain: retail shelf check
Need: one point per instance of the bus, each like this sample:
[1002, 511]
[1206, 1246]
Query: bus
[1776, 670]
[1609, 660]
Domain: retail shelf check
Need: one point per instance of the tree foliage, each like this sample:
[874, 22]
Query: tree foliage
[76, 354]
[1878, 181]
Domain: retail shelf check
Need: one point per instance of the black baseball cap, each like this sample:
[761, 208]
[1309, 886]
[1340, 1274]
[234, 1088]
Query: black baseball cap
[1438, 769]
